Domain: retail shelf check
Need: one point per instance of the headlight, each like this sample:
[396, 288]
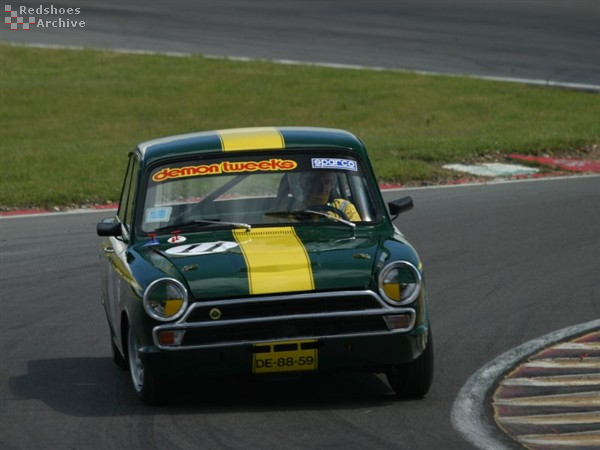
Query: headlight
[400, 283]
[165, 299]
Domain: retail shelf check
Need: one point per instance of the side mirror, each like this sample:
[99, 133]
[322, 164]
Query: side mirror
[109, 227]
[401, 205]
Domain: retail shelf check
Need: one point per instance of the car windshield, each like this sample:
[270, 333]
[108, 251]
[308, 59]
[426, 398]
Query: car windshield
[258, 190]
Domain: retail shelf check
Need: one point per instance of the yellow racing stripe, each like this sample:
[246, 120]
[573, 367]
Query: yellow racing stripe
[276, 260]
[265, 138]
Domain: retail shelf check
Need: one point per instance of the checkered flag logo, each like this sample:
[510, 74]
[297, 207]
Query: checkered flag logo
[14, 20]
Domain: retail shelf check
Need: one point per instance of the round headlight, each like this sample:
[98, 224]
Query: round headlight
[400, 283]
[165, 299]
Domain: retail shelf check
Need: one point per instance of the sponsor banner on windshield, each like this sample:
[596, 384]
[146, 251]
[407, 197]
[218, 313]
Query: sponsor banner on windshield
[334, 163]
[225, 167]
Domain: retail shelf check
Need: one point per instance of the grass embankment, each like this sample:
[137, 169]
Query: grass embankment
[68, 118]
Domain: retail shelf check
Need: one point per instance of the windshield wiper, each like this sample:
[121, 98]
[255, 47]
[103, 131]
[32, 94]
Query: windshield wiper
[247, 226]
[287, 213]
[330, 217]
[309, 212]
[202, 222]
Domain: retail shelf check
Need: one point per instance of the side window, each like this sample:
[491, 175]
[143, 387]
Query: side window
[132, 188]
[125, 212]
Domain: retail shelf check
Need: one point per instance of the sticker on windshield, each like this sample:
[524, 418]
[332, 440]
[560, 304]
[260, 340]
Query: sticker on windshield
[225, 167]
[177, 239]
[205, 248]
[159, 214]
[334, 163]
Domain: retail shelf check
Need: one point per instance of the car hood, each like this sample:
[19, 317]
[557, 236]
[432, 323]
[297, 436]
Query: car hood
[271, 260]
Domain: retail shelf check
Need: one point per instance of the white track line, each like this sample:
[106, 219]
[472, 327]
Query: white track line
[536, 82]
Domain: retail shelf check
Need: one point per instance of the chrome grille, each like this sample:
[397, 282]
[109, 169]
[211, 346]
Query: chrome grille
[284, 329]
[256, 319]
[252, 308]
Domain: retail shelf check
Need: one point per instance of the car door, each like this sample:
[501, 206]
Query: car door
[114, 249]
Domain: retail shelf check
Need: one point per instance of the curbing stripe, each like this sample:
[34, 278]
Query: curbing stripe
[468, 413]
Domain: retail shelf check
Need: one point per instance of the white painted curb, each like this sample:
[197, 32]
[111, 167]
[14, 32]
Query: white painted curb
[468, 412]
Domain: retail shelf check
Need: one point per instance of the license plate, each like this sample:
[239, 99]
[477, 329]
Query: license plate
[288, 356]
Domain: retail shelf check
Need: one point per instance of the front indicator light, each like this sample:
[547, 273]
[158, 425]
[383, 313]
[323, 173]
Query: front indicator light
[171, 338]
[400, 283]
[165, 299]
[399, 322]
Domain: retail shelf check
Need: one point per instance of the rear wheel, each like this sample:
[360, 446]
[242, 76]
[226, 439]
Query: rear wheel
[413, 379]
[148, 387]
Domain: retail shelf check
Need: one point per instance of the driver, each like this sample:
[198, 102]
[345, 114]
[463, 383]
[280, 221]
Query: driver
[317, 188]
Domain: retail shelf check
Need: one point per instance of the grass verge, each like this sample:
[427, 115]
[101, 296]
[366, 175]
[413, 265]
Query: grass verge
[68, 118]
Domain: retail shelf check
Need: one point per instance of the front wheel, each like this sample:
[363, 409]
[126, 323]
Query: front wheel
[413, 379]
[118, 358]
[148, 387]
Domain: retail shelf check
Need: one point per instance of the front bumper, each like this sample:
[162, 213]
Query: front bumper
[348, 329]
[373, 353]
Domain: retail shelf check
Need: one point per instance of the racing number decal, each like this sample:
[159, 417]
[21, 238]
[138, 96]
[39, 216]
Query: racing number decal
[204, 248]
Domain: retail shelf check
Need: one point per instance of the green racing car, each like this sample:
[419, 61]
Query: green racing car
[260, 251]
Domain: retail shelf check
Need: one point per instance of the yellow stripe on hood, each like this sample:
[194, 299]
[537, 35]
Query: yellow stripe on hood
[276, 260]
[265, 138]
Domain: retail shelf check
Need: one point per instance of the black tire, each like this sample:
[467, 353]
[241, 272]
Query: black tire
[149, 388]
[413, 380]
[117, 357]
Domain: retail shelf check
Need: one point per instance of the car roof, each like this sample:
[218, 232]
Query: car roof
[245, 139]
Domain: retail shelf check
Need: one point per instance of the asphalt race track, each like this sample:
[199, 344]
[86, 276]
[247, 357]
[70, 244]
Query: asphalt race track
[506, 263]
[545, 40]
